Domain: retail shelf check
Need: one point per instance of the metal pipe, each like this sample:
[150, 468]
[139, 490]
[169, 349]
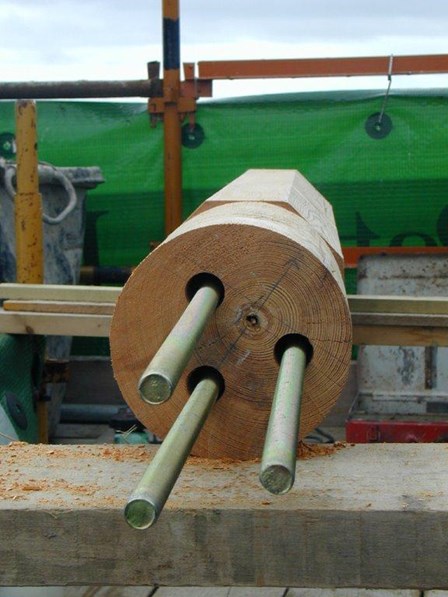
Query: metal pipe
[80, 89]
[323, 67]
[161, 376]
[148, 499]
[171, 116]
[278, 463]
[28, 218]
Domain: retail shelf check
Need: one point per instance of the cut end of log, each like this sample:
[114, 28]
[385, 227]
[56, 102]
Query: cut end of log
[279, 278]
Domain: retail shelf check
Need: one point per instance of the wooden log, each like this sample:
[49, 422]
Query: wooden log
[371, 516]
[280, 278]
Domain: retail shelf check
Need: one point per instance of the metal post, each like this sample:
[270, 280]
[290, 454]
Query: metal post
[278, 464]
[28, 217]
[147, 501]
[161, 376]
[171, 119]
[80, 89]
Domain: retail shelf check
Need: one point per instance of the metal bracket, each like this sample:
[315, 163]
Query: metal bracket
[191, 89]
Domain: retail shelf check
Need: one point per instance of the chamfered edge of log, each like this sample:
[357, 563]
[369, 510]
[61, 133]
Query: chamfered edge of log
[269, 260]
[288, 189]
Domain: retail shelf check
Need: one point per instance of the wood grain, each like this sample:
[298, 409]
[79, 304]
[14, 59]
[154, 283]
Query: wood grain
[288, 189]
[62, 324]
[39, 306]
[369, 516]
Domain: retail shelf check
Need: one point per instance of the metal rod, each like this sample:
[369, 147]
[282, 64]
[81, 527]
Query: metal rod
[171, 116]
[28, 218]
[278, 464]
[323, 67]
[160, 378]
[148, 499]
[80, 89]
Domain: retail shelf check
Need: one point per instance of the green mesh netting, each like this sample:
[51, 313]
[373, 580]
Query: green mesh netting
[386, 188]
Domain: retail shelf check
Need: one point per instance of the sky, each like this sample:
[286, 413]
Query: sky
[49, 40]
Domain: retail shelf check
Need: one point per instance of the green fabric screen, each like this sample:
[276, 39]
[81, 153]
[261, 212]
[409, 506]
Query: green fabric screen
[384, 191]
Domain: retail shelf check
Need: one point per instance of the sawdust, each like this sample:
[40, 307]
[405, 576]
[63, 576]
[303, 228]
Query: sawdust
[25, 473]
[306, 451]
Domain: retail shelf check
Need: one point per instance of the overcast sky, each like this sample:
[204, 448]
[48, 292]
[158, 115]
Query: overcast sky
[113, 39]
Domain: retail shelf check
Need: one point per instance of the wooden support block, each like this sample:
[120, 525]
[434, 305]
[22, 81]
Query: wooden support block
[368, 516]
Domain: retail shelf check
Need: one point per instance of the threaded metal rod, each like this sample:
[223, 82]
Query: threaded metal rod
[148, 499]
[278, 463]
[161, 376]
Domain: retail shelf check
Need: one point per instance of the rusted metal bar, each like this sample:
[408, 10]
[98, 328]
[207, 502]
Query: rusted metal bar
[80, 89]
[171, 117]
[323, 67]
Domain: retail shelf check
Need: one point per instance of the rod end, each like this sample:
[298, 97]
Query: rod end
[140, 513]
[155, 388]
[277, 479]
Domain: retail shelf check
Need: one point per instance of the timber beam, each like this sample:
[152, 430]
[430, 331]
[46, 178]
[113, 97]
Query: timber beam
[87, 311]
[362, 516]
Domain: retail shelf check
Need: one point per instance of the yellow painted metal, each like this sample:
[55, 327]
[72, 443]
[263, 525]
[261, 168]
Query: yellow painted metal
[28, 217]
[28, 202]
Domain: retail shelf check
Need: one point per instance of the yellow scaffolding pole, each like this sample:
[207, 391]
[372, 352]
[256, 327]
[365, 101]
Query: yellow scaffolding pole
[28, 217]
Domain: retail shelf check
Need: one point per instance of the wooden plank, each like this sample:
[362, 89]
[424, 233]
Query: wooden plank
[398, 304]
[352, 593]
[220, 592]
[59, 292]
[369, 516]
[109, 294]
[57, 324]
[71, 324]
[400, 319]
[36, 306]
[399, 336]
[91, 591]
